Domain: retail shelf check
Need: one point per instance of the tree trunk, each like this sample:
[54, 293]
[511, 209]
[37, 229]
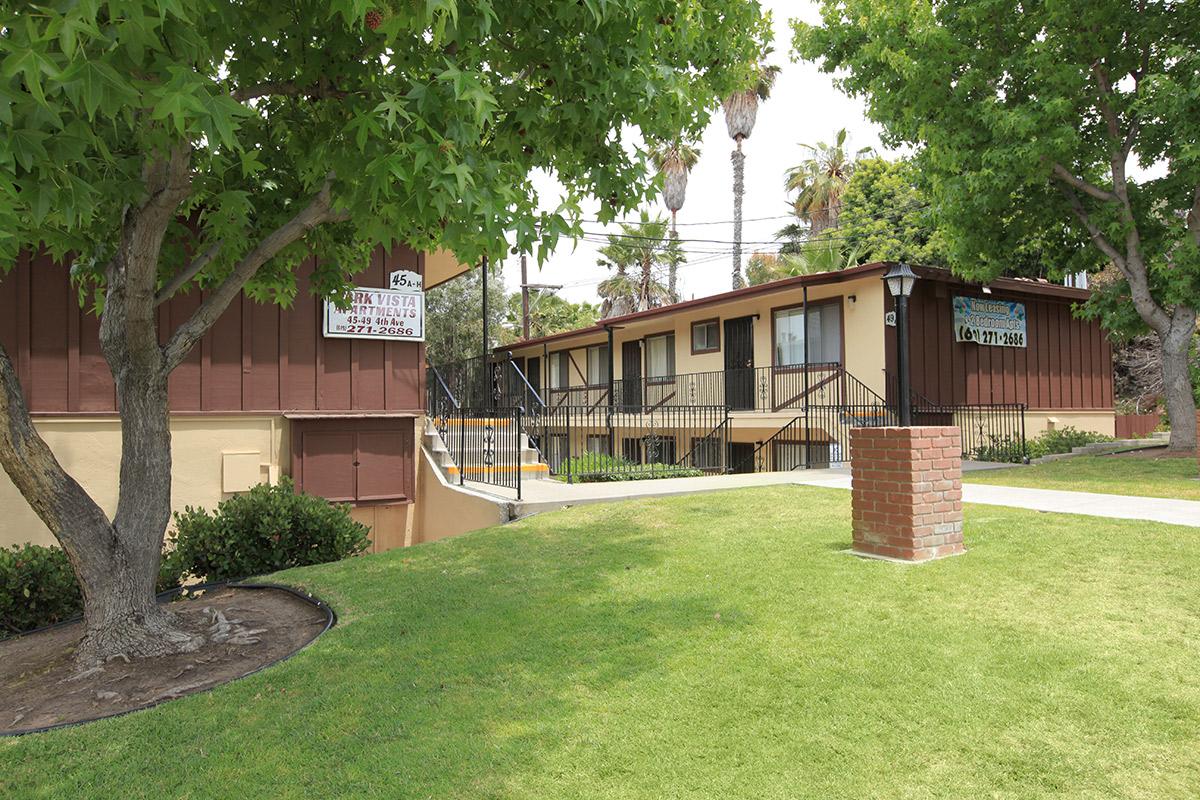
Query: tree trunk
[1177, 384]
[673, 274]
[739, 189]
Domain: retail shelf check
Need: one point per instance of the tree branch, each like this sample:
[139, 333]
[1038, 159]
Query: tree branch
[320, 210]
[1139, 288]
[58, 500]
[182, 277]
[1066, 176]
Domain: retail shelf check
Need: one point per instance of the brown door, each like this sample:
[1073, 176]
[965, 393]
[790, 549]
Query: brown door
[739, 363]
[355, 461]
[631, 373]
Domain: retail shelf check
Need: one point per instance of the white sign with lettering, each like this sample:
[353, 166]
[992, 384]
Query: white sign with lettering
[998, 323]
[405, 280]
[378, 314]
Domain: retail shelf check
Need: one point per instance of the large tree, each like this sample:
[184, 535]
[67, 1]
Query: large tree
[170, 144]
[548, 314]
[674, 161]
[639, 256]
[820, 180]
[454, 316]
[741, 112]
[1029, 120]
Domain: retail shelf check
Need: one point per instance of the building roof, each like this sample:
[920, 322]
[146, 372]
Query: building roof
[1020, 285]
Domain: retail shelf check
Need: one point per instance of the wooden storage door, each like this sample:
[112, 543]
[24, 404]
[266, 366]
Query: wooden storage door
[380, 459]
[355, 461]
[327, 459]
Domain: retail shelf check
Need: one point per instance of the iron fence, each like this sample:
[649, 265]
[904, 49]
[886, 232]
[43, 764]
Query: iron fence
[990, 431]
[487, 445]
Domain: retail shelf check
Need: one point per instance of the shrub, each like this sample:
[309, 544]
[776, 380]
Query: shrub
[267, 529]
[601, 467]
[1002, 450]
[37, 588]
[1063, 440]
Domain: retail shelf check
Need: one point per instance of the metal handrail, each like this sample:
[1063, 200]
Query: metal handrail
[446, 389]
[528, 387]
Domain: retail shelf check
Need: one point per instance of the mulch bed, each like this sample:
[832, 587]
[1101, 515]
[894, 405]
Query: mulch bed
[244, 630]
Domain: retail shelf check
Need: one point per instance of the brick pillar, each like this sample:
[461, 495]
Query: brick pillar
[906, 492]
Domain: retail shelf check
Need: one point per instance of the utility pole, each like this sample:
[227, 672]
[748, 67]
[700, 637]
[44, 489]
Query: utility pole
[524, 299]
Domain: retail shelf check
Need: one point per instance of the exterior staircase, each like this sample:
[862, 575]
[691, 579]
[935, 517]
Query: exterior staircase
[473, 440]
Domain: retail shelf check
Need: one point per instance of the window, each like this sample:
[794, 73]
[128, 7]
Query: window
[597, 365]
[824, 331]
[660, 356]
[560, 370]
[706, 336]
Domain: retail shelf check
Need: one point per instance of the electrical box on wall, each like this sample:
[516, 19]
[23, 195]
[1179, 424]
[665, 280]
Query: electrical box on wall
[240, 470]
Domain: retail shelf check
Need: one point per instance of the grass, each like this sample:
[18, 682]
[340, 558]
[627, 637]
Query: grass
[708, 646]
[1177, 478]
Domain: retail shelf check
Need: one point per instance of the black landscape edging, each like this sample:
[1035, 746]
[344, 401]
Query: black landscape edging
[330, 621]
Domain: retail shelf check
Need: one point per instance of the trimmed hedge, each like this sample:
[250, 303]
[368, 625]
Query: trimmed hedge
[603, 468]
[265, 530]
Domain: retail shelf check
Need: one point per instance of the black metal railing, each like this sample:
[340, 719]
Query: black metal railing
[598, 443]
[495, 382]
[990, 431]
[747, 389]
[487, 445]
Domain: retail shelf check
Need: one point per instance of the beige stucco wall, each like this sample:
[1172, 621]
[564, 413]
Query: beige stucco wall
[862, 323]
[89, 448]
[1038, 421]
[444, 510]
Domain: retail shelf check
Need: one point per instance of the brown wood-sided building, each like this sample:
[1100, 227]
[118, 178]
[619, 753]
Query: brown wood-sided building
[264, 394]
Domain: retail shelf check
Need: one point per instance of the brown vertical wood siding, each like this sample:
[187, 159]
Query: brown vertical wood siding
[257, 357]
[1066, 364]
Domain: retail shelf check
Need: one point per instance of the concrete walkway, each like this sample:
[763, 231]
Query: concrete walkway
[548, 495]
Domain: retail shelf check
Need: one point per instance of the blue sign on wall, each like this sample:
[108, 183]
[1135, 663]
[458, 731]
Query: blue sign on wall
[999, 323]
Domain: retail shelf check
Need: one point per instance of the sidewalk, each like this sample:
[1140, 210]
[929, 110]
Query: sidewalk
[548, 495]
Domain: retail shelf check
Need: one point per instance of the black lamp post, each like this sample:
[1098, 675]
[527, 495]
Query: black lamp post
[900, 280]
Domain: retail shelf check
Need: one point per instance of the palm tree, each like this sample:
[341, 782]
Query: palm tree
[821, 180]
[635, 253]
[741, 112]
[674, 160]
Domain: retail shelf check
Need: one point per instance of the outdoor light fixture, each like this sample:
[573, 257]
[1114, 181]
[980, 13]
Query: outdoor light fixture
[900, 280]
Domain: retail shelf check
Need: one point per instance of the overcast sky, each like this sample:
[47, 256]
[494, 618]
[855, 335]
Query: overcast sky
[804, 108]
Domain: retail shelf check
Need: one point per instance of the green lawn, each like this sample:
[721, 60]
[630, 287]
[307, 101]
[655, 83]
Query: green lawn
[1149, 477]
[715, 646]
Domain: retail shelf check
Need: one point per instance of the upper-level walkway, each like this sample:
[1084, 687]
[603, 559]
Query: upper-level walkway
[549, 495]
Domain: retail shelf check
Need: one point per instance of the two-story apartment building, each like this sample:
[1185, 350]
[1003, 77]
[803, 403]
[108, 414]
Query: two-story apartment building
[1004, 361]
